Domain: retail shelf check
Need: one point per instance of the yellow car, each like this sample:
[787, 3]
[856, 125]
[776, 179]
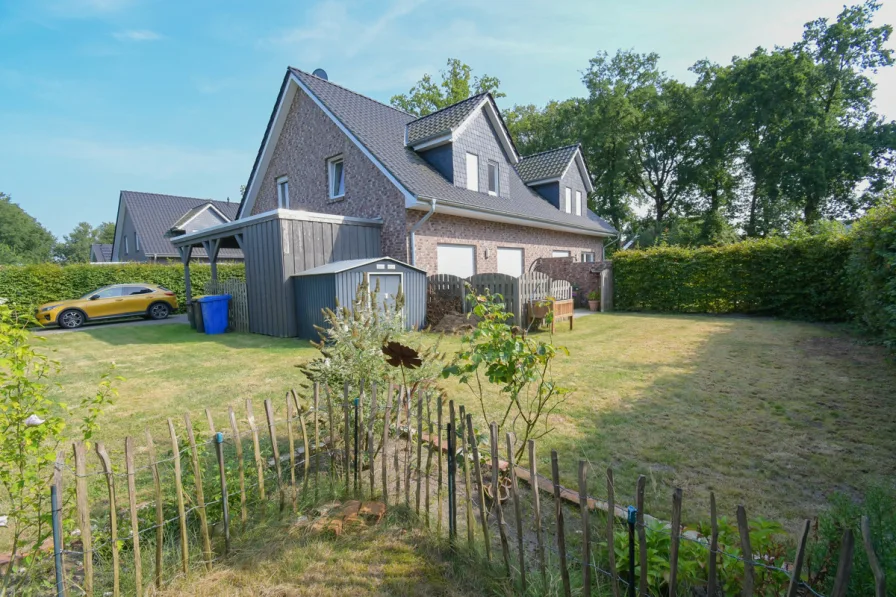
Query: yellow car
[110, 302]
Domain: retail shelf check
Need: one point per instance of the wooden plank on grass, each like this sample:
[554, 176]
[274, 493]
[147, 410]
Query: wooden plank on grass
[586, 530]
[561, 531]
[238, 444]
[200, 494]
[517, 511]
[160, 513]
[179, 490]
[84, 513]
[132, 510]
[113, 517]
[275, 450]
[259, 463]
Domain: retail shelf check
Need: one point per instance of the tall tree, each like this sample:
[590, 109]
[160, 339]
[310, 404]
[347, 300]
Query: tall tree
[22, 239]
[557, 124]
[75, 246]
[105, 233]
[457, 84]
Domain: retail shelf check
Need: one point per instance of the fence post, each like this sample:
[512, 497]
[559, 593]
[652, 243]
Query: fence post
[306, 460]
[452, 497]
[132, 508]
[558, 511]
[439, 452]
[387, 423]
[880, 582]
[357, 450]
[713, 545]
[160, 514]
[84, 514]
[259, 465]
[316, 437]
[586, 530]
[428, 454]
[536, 506]
[676, 539]
[407, 462]
[468, 499]
[331, 416]
[798, 562]
[611, 535]
[844, 566]
[496, 495]
[483, 514]
[632, 520]
[517, 509]
[179, 489]
[275, 450]
[290, 436]
[219, 448]
[57, 540]
[419, 448]
[642, 533]
[345, 437]
[746, 551]
[200, 494]
[238, 444]
[371, 448]
[113, 516]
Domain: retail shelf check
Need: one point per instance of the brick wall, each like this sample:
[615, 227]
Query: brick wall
[576, 273]
[488, 236]
[309, 138]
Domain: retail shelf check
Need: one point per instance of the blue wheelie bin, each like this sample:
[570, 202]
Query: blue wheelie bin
[215, 308]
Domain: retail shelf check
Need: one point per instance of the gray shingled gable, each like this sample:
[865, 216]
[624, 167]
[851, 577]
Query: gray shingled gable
[442, 121]
[380, 129]
[153, 215]
[179, 224]
[547, 164]
[103, 251]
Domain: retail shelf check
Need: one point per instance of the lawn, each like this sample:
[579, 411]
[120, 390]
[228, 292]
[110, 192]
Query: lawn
[772, 414]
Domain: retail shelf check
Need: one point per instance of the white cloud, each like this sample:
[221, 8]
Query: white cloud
[136, 35]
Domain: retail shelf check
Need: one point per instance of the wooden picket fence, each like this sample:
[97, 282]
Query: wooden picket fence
[370, 443]
[239, 303]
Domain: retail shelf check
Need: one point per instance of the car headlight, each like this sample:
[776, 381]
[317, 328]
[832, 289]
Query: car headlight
[50, 308]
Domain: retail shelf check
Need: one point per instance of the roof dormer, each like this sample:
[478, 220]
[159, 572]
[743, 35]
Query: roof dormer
[560, 176]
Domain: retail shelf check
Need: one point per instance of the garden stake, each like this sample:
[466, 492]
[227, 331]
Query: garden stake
[200, 496]
[387, 423]
[225, 506]
[129, 450]
[83, 513]
[419, 448]
[483, 514]
[746, 551]
[468, 501]
[452, 498]
[345, 438]
[558, 511]
[439, 452]
[611, 520]
[275, 452]
[428, 451]
[844, 566]
[880, 583]
[238, 445]
[179, 492]
[357, 450]
[407, 451]
[160, 516]
[113, 516]
[586, 530]
[676, 539]
[395, 462]
[518, 511]
[499, 510]
[632, 519]
[536, 506]
[642, 533]
[316, 436]
[57, 540]
[713, 545]
[292, 453]
[332, 446]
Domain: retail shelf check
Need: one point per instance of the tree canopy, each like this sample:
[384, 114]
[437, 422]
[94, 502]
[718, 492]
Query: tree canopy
[75, 246]
[457, 84]
[22, 239]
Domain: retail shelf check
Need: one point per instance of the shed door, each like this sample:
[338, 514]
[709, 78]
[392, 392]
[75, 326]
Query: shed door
[457, 260]
[389, 284]
[510, 262]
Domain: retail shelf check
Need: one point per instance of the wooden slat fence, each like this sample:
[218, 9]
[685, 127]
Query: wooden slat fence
[239, 303]
[506, 286]
[111, 556]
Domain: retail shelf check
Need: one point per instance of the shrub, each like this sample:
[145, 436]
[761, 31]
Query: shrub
[31, 285]
[872, 270]
[793, 278]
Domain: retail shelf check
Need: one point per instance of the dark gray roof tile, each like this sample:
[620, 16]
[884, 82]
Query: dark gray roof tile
[442, 121]
[547, 164]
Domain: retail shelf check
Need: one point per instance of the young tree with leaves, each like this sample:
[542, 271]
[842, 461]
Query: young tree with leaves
[457, 84]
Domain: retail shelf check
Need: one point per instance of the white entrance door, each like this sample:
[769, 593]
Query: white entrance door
[458, 260]
[510, 262]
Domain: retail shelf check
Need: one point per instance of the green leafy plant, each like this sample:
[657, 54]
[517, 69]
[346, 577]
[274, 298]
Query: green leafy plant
[593, 295]
[32, 427]
[520, 366]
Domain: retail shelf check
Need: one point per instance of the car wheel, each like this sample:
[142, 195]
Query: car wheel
[71, 319]
[159, 311]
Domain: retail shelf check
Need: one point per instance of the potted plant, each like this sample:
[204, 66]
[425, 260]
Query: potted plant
[593, 300]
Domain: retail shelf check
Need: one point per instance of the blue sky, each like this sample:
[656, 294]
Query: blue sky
[173, 96]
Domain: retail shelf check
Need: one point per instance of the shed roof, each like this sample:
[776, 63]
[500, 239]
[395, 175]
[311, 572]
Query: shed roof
[342, 266]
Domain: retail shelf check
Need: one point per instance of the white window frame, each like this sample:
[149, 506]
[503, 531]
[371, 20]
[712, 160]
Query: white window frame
[560, 253]
[496, 178]
[472, 181]
[586, 254]
[578, 203]
[136, 242]
[126, 244]
[332, 191]
[568, 202]
[283, 192]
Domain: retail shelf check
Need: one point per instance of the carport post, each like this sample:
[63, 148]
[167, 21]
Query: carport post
[211, 249]
[185, 254]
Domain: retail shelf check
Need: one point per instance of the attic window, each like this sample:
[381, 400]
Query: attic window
[578, 203]
[472, 172]
[136, 242]
[283, 192]
[568, 204]
[126, 245]
[494, 181]
[336, 177]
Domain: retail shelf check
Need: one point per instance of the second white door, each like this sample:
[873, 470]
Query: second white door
[510, 261]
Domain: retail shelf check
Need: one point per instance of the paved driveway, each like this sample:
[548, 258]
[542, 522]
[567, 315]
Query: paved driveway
[127, 322]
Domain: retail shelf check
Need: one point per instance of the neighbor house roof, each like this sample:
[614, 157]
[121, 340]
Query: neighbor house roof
[341, 266]
[547, 164]
[153, 215]
[181, 223]
[442, 121]
[102, 252]
[380, 132]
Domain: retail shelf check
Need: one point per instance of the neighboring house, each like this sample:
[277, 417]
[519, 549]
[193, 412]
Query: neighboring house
[100, 253]
[146, 223]
[451, 189]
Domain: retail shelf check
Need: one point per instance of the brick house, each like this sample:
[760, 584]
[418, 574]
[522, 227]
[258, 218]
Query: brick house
[452, 192]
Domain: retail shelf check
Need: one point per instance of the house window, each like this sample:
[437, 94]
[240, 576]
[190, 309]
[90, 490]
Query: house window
[588, 257]
[336, 170]
[568, 205]
[494, 182]
[472, 172]
[578, 203]
[126, 244]
[559, 253]
[283, 192]
[136, 242]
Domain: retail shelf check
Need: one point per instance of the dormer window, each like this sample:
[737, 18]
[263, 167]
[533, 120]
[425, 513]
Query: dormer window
[567, 205]
[336, 176]
[472, 172]
[126, 244]
[494, 179]
[283, 192]
[578, 203]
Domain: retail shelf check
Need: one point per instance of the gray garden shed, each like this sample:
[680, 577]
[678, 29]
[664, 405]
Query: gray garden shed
[319, 287]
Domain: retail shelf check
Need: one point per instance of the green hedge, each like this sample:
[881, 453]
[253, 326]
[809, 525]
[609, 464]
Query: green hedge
[31, 285]
[872, 271]
[799, 279]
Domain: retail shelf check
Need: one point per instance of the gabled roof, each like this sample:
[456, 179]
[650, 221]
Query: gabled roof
[181, 224]
[153, 215]
[379, 132]
[102, 252]
[547, 164]
[341, 266]
[442, 121]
